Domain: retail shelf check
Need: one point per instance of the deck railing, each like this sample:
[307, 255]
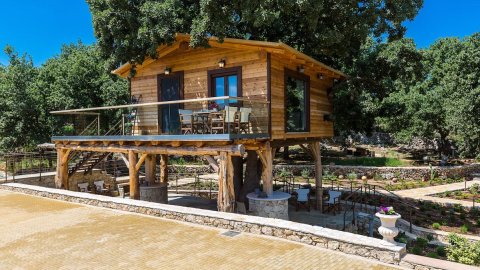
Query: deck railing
[222, 117]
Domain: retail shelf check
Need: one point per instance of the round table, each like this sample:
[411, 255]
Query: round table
[274, 206]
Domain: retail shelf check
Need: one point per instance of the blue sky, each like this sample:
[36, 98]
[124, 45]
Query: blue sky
[41, 27]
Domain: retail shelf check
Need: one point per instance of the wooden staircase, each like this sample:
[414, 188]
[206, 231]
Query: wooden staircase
[86, 161]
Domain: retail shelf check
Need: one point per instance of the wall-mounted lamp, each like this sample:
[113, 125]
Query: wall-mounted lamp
[168, 70]
[301, 69]
[221, 63]
[320, 76]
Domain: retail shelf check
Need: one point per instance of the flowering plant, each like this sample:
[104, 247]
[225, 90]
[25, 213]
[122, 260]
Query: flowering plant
[386, 210]
[212, 105]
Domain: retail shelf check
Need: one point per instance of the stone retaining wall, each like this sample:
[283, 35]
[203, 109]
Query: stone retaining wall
[411, 173]
[312, 235]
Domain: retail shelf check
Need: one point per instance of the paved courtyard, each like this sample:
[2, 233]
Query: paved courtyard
[39, 233]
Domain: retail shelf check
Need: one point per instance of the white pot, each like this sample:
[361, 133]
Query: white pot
[388, 229]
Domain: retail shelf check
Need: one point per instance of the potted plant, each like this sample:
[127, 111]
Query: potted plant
[388, 218]
[213, 106]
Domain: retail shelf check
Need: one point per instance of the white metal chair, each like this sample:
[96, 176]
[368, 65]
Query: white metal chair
[100, 187]
[83, 187]
[302, 197]
[333, 202]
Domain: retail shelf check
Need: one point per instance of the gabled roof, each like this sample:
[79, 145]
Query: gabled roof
[240, 44]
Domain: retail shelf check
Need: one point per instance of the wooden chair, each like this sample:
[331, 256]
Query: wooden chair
[217, 122]
[83, 187]
[301, 197]
[333, 202]
[186, 121]
[244, 120]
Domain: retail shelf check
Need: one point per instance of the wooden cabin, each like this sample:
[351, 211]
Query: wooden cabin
[237, 98]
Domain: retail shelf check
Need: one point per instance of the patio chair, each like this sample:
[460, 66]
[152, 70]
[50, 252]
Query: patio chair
[83, 187]
[333, 202]
[244, 120]
[231, 120]
[217, 122]
[101, 188]
[301, 197]
[186, 121]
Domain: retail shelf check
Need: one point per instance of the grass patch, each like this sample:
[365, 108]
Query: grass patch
[367, 161]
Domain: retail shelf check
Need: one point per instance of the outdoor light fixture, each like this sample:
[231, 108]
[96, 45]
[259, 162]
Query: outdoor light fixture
[301, 69]
[221, 63]
[320, 76]
[168, 70]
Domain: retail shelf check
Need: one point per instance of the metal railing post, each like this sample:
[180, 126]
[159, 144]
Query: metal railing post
[98, 124]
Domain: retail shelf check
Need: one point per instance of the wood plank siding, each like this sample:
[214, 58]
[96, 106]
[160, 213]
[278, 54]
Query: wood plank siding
[263, 78]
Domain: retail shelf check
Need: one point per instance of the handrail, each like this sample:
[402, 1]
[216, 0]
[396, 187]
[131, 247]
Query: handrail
[74, 111]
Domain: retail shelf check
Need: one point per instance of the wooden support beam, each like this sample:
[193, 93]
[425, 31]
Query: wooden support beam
[163, 168]
[316, 151]
[226, 193]
[61, 177]
[266, 157]
[213, 163]
[125, 159]
[150, 169]
[140, 162]
[234, 150]
[134, 185]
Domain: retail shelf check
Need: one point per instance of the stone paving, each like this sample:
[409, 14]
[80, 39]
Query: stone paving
[39, 233]
[424, 193]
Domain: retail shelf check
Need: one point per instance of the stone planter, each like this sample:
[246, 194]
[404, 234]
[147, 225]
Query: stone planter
[388, 229]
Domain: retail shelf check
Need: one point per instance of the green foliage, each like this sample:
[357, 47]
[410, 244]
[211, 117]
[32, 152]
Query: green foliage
[421, 242]
[74, 79]
[352, 176]
[430, 237]
[432, 254]
[128, 31]
[417, 250]
[367, 161]
[441, 251]
[464, 228]
[306, 173]
[462, 250]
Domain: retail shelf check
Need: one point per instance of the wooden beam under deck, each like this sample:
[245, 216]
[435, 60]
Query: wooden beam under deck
[234, 150]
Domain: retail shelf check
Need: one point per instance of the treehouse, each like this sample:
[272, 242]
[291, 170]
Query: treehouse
[235, 99]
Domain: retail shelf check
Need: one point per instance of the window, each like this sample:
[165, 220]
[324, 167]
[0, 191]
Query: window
[225, 82]
[297, 102]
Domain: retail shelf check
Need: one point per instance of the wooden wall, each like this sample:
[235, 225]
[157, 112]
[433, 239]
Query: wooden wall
[319, 102]
[195, 64]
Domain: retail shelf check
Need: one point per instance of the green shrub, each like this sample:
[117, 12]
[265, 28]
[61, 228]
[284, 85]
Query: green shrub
[352, 176]
[441, 251]
[432, 254]
[448, 193]
[458, 208]
[478, 222]
[421, 242]
[464, 228]
[462, 216]
[463, 251]
[436, 226]
[416, 250]
[443, 212]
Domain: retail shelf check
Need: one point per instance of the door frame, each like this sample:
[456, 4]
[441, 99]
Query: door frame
[160, 77]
